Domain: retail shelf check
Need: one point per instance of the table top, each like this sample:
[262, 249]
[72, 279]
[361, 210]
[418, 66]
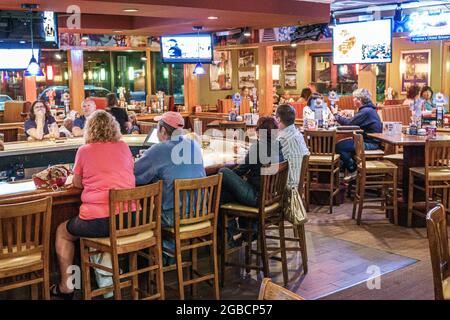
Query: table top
[405, 139]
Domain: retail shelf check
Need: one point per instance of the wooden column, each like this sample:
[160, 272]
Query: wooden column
[190, 87]
[367, 79]
[148, 71]
[29, 84]
[265, 82]
[76, 81]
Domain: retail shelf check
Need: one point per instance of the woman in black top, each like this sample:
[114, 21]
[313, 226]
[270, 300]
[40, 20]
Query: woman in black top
[118, 113]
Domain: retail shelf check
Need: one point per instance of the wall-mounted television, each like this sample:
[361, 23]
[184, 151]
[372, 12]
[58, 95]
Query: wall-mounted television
[16, 59]
[15, 30]
[363, 42]
[187, 48]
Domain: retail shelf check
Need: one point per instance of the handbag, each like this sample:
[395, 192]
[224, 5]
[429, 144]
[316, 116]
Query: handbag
[294, 210]
[53, 177]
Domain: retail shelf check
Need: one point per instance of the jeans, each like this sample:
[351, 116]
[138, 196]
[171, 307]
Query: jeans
[346, 149]
[235, 189]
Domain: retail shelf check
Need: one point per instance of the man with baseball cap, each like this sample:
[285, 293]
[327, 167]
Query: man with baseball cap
[168, 161]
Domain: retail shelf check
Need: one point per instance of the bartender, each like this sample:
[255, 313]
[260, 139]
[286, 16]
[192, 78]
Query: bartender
[317, 109]
[40, 124]
[88, 106]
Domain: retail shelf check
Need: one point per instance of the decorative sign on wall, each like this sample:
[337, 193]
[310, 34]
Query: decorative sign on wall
[247, 79]
[290, 60]
[246, 58]
[427, 25]
[105, 40]
[415, 68]
[220, 71]
[290, 80]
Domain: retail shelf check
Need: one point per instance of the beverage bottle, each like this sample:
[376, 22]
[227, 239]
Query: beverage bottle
[439, 115]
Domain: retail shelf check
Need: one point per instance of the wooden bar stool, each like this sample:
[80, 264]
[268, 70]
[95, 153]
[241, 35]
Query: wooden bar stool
[323, 159]
[272, 291]
[196, 207]
[25, 245]
[379, 175]
[268, 213]
[435, 177]
[135, 224]
[440, 259]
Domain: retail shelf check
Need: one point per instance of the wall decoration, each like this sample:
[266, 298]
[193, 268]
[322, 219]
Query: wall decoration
[314, 32]
[105, 40]
[290, 81]
[247, 79]
[415, 68]
[290, 60]
[276, 34]
[220, 71]
[246, 59]
[277, 57]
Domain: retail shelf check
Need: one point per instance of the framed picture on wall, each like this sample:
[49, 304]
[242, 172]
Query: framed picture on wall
[290, 80]
[220, 71]
[277, 57]
[415, 68]
[246, 58]
[290, 60]
[247, 79]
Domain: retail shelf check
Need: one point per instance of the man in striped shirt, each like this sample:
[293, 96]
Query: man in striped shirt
[293, 144]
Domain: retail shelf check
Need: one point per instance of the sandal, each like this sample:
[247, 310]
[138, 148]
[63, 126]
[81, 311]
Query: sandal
[55, 292]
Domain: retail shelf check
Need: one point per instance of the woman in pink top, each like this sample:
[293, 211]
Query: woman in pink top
[103, 163]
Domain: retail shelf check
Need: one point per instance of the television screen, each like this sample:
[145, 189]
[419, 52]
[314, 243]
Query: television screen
[187, 48]
[16, 59]
[15, 32]
[426, 26]
[363, 42]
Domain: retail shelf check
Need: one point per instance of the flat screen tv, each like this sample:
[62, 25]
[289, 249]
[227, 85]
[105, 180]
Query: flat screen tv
[16, 59]
[187, 48]
[363, 42]
[15, 30]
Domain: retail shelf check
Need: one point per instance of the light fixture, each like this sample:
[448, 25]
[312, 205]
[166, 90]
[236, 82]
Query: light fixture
[247, 32]
[102, 74]
[130, 73]
[85, 37]
[398, 13]
[22, 41]
[276, 72]
[117, 31]
[49, 72]
[166, 73]
[58, 56]
[294, 44]
[143, 58]
[213, 18]
[332, 23]
[33, 68]
[131, 10]
[198, 70]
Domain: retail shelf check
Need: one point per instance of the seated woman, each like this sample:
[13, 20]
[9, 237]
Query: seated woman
[40, 124]
[134, 128]
[427, 96]
[242, 183]
[412, 95]
[96, 174]
[118, 113]
[304, 96]
[316, 109]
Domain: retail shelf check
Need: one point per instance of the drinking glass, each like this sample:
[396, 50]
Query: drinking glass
[2, 137]
[206, 142]
[50, 132]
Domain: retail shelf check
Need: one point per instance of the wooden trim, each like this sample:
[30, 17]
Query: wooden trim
[445, 86]
[265, 82]
[76, 81]
[190, 87]
[148, 71]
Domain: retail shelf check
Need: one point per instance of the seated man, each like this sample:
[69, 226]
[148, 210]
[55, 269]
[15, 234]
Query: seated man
[66, 129]
[367, 119]
[88, 106]
[166, 161]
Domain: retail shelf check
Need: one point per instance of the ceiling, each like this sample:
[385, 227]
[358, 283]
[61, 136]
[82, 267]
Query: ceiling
[156, 17]
[363, 4]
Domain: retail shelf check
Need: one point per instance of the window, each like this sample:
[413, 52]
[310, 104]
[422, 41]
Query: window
[168, 78]
[11, 87]
[55, 81]
[97, 73]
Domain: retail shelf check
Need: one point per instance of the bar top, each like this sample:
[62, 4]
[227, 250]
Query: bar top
[405, 139]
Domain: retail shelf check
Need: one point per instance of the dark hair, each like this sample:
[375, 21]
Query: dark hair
[313, 97]
[32, 116]
[425, 89]
[306, 93]
[111, 100]
[244, 87]
[267, 123]
[412, 92]
[169, 129]
[286, 113]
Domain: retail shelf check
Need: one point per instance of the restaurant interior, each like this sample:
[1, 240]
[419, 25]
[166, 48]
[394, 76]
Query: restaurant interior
[369, 223]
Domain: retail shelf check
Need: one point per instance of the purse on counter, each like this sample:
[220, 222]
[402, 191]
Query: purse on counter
[294, 210]
[53, 177]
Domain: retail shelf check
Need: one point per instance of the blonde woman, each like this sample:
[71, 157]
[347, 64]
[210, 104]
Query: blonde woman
[103, 163]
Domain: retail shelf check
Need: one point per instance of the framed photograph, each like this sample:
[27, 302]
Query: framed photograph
[246, 58]
[290, 81]
[290, 60]
[277, 57]
[415, 68]
[247, 79]
[220, 71]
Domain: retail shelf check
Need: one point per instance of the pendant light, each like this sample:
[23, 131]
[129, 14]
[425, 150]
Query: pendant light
[333, 21]
[33, 68]
[198, 70]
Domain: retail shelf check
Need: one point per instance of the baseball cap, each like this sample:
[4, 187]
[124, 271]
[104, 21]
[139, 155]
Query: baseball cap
[173, 119]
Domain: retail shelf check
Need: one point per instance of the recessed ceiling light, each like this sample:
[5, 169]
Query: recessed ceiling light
[22, 41]
[130, 10]
[143, 58]
[213, 18]
[117, 31]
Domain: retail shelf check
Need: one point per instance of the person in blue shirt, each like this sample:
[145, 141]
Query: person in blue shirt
[40, 123]
[167, 161]
[367, 119]
[88, 106]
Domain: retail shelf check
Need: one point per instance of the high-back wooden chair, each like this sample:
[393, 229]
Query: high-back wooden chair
[323, 160]
[225, 105]
[135, 224]
[272, 291]
[440, 259]
[378, 174]
[268, 213]
[435, 175]
[397, 113]
[25, 245]
[196, 207]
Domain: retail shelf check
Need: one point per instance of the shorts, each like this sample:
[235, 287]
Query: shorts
[95, 228]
